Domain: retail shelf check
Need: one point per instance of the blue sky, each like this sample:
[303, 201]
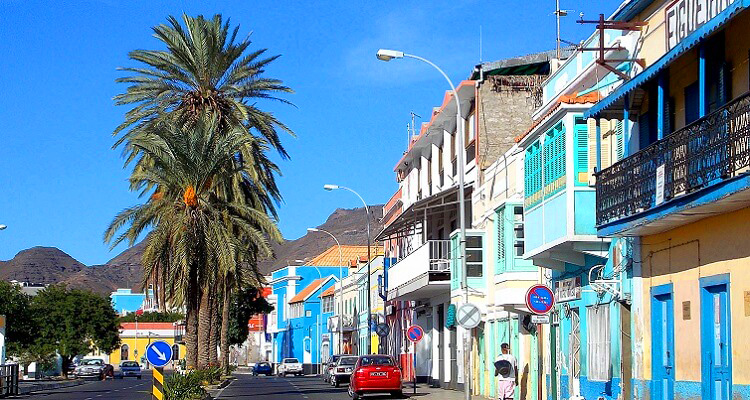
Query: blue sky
[61, 182]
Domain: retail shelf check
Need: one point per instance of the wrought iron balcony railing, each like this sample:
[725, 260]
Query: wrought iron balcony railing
[709, 150]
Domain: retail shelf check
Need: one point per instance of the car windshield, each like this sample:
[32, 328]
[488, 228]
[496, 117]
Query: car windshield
[290, 360]
[376, 361]
[92, 362]
[348, 361]
[262, 364]
[129, 364]
[335, 358]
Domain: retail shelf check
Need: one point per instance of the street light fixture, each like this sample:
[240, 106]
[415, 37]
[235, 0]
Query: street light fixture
[330, 187]
[3, 226]
[387, 55]
[341, 286]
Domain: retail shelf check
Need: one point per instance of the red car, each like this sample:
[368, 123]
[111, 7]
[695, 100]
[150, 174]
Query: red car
[375, 373]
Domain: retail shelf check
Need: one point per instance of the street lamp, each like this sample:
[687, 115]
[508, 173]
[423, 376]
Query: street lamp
[3, 226]
[388, 55]
[330, 187]
[341, 286]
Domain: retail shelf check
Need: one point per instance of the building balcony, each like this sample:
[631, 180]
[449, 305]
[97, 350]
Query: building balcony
[695, 172]
[423, 273]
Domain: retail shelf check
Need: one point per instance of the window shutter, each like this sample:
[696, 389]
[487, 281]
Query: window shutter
[582, 153]
[606, 143]
[592, 145]
[620, 139]
[500, 241]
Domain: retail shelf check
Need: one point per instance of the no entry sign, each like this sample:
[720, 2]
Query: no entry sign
[540, 299]
[415, 333]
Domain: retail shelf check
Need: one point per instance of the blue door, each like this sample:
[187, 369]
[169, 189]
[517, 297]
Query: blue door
[715, 342]
[662, 350]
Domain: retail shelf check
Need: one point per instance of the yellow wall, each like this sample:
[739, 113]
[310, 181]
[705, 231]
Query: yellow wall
[712, 246]
[114, 357]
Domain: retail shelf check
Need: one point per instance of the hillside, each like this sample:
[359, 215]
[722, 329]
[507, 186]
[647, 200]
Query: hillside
[48, 265]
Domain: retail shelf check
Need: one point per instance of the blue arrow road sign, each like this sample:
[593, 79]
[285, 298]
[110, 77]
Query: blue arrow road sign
[159, 353]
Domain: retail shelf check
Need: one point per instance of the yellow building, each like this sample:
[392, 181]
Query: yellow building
[134, 341]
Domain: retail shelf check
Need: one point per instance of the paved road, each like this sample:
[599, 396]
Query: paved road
[293, 388]
[120, 389]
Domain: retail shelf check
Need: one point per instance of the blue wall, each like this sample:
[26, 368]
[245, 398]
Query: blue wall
[554, 213]
[585, 212]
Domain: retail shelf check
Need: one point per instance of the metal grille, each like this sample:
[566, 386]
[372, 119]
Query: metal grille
[8, 380]
[703, 153]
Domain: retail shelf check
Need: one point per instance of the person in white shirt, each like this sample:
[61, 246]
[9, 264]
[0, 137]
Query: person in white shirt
[506, 371]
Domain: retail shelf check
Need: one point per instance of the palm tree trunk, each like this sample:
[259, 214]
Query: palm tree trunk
[204, 328]
[225, 327]
[191, 325]
[213, 342]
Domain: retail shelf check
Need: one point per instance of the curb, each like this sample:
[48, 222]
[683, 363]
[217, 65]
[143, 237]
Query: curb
[39, 386]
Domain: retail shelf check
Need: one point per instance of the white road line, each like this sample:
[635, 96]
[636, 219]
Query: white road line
[218, 395]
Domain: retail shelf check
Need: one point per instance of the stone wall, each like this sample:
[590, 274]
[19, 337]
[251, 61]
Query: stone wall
[506, 104]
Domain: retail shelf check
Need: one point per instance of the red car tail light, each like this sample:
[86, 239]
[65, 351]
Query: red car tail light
[359, 372]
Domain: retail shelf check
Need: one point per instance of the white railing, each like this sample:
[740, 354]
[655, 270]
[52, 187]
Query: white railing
[432, 256]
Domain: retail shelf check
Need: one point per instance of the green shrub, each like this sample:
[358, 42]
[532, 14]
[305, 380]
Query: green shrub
[184, 387]
[209, 376]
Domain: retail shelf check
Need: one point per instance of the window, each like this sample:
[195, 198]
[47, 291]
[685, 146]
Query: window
[533, 175]
[518, 238]
[308, 313]
[328, 304]
[598, 343]
[474, 256]
[582, 169]
[295, 310]
[554, 160]
[124, 352]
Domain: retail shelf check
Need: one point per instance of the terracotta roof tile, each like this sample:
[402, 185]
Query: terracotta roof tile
[308, 291]
[329, 292]
[330, 257]
[591, 97]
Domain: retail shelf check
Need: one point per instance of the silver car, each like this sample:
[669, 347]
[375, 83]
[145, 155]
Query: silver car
[90, 368]
[342, 371]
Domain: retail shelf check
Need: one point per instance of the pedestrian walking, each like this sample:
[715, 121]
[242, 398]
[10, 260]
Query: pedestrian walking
[506, 371]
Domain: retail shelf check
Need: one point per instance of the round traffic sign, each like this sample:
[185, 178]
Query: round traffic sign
[382, 329]
[540, 299]
[469, 316]
[415, 333]
[159, 353]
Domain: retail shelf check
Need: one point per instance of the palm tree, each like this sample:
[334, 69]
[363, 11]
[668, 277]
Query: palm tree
[196, 235]
[205, 69]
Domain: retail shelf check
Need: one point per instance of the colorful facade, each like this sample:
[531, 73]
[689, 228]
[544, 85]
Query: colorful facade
[680, 198]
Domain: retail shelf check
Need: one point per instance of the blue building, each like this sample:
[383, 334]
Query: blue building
[124, 301]
[300, 323]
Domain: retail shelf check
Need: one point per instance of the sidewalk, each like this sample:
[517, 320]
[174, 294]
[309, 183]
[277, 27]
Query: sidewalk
[425, 392]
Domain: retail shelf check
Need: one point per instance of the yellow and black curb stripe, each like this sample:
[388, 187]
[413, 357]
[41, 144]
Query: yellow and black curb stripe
[157, 393]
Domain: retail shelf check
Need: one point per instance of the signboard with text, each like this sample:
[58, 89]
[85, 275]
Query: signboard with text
[684, 17]
[568, 289]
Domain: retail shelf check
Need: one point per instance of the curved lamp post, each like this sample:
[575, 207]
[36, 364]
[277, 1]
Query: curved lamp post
[341, 285]
[3, 226]
[388, 55]
[330, 187]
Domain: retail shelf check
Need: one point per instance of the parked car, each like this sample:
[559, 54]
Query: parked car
[329, 367]
[90, 368]
[262, 368]
[342, 371]
[130, 368]
[289, 366]
[375, 373]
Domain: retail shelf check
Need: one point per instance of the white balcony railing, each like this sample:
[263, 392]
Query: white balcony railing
[432, 256]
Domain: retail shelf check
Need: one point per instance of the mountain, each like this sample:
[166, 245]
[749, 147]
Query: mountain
[43, 265]
[48, 265]
[349, 226]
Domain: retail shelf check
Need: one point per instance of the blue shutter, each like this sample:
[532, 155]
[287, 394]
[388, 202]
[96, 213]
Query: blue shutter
[620, 141]
[500, 225]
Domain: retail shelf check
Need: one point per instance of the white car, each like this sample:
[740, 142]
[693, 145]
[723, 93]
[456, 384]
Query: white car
[289, 366]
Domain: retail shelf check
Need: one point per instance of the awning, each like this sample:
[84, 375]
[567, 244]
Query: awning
[615, 103]
[410, 219]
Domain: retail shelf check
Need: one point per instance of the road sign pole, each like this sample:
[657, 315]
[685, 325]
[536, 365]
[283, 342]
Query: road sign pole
[415, 367]
[157, 392]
